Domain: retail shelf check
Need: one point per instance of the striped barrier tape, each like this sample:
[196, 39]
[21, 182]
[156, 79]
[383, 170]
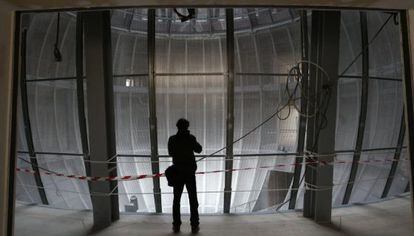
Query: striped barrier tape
[145, 176]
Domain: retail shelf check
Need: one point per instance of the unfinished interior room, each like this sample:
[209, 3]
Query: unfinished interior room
[266, 117]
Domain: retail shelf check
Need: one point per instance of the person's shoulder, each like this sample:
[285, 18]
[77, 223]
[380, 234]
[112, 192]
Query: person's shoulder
[172, 137]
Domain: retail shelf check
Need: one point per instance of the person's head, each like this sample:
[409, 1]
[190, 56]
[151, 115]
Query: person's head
[183, 124]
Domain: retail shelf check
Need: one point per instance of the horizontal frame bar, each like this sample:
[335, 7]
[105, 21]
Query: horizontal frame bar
[191, 74]
[131, 75]
[369, 150]
[51, 79]
[262, 74]
[209, 74]
[371, 77]
[235, 155]
[53, 153]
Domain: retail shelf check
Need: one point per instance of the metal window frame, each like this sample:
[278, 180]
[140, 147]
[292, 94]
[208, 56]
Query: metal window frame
[302, 119]
[152, 109]
[371, 78]
[26, 119]
[80, 93]
[154, 88]
[230, 108]
[363, 108]
[396, 159]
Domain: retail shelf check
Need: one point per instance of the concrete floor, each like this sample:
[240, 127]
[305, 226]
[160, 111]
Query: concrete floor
[391, 217]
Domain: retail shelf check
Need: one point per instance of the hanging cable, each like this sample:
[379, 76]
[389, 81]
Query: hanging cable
[296, 76]
[56, 51]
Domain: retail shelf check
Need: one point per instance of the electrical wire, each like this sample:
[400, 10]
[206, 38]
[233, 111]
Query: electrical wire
[366, 46]
[295, 75]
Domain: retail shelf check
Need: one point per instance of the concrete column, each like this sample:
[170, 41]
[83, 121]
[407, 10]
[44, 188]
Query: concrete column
[101, 128]
[8, 104]
[321, 128]
[407, 30]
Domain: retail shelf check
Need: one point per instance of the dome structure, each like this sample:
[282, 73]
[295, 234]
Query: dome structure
[190, 69]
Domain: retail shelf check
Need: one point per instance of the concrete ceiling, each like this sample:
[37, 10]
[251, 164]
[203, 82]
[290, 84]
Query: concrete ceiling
[59, 4]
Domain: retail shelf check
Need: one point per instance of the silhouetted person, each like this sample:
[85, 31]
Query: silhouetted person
[181, 148]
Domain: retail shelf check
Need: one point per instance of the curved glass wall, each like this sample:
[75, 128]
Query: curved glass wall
[190, 83]
[190, 75]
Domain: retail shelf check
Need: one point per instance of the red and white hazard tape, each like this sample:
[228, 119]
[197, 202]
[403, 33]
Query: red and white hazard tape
[137, 177]
[89, 178]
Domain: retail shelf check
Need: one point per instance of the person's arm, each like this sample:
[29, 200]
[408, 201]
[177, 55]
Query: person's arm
[196, 146]
[170, 147]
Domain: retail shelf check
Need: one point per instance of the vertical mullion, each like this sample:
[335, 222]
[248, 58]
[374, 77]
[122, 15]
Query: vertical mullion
[396, 159]
[26, 120]
[230, 108]
[80, 92]
[363, 108]
[303, 107]
[152, 109]
[408, 47]
[311, 140]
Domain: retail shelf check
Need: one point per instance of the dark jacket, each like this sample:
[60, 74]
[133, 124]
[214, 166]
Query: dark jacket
[181, 148]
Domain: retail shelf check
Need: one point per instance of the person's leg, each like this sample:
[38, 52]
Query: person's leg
[192, 195]
[178, 190]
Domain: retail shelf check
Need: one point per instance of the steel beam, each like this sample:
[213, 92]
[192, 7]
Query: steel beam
[191, 74]
[80, 92]
[152, 109]
[263, 74]
[396, 159]
[217, 155]
[321, 128]
[303, 106]
[369, 150]
[363, 108]
[371, 78]
[101, 128]
[407, 37]
[26, 119]
[131, 75]
[230, 109]
[50, 79]
[54, 153]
